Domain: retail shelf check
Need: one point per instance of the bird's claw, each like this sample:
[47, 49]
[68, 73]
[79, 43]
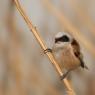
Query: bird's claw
[62, 77]
[48, 50]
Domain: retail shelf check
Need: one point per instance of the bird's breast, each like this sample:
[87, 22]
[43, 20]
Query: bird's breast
[66, 58]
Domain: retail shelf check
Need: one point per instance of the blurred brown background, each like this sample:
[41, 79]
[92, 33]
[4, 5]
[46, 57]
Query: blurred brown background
[24, 69]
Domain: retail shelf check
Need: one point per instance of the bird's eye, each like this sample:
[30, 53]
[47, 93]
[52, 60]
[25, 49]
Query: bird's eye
[56, 40]
[65, 38]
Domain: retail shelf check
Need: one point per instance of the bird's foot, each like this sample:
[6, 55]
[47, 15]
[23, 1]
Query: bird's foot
[48, 50]
[64, 75]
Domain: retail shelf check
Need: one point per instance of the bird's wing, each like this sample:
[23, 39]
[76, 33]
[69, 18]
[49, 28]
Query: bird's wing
[78, 54]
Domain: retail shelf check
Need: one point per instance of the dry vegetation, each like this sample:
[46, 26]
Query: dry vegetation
[24, 70]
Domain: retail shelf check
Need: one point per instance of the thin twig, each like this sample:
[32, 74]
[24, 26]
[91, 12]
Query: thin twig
[43, 46]
[69, 26]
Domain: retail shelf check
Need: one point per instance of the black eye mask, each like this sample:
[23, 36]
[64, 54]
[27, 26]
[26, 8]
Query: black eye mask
[64, 38]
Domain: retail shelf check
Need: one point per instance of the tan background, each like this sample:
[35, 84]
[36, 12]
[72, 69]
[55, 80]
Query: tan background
[24, 69]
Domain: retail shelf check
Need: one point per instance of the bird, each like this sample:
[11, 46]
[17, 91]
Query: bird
[66, 50]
